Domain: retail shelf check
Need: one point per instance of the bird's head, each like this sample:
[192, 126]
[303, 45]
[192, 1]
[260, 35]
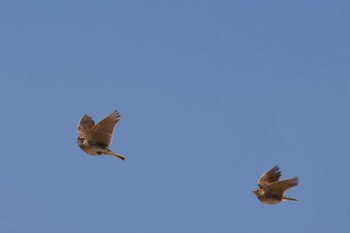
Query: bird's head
[257, 192]
[80, 141]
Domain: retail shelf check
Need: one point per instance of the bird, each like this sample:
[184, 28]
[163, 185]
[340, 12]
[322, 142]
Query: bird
[95, 139]
[271, 189]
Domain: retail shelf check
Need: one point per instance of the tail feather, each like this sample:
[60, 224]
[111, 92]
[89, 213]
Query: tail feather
[289, 199]
[116, 155]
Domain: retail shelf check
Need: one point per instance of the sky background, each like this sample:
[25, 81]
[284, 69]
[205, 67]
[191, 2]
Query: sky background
[212, 94]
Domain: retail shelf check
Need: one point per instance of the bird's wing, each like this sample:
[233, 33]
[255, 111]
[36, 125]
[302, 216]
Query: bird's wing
[270, 176]
[102, 132]
[84, 126]
[279, 187]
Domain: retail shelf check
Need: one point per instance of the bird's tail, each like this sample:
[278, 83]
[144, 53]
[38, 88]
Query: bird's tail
[289, 199]
[116, 155]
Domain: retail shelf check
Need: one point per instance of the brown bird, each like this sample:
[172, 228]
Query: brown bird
[271, 189]
[95, 139]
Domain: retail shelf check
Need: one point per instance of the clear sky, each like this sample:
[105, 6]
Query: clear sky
[212, 94]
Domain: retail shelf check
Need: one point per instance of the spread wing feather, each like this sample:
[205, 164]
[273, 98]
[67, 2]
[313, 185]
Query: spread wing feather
[84, 126]
[270, 176]
[279, 187]
[102, 132]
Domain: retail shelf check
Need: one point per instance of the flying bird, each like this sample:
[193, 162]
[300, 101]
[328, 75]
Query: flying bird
[271, 189]
[95, 139]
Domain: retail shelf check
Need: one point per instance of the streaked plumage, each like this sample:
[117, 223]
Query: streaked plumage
[95, 139]
[271, 189]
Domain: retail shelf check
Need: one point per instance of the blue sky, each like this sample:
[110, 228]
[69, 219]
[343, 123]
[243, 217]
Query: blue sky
[212, 94]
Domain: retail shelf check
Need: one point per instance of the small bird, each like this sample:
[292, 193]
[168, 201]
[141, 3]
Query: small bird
[271, 189]
[95, 139]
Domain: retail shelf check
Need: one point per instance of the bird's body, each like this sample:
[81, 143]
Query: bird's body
[271, 189]
[95, 139]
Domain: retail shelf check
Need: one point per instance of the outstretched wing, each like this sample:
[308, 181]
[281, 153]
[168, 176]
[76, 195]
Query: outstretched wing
[102, 132]
[270, 176]
[279, 187]
[84, 126]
